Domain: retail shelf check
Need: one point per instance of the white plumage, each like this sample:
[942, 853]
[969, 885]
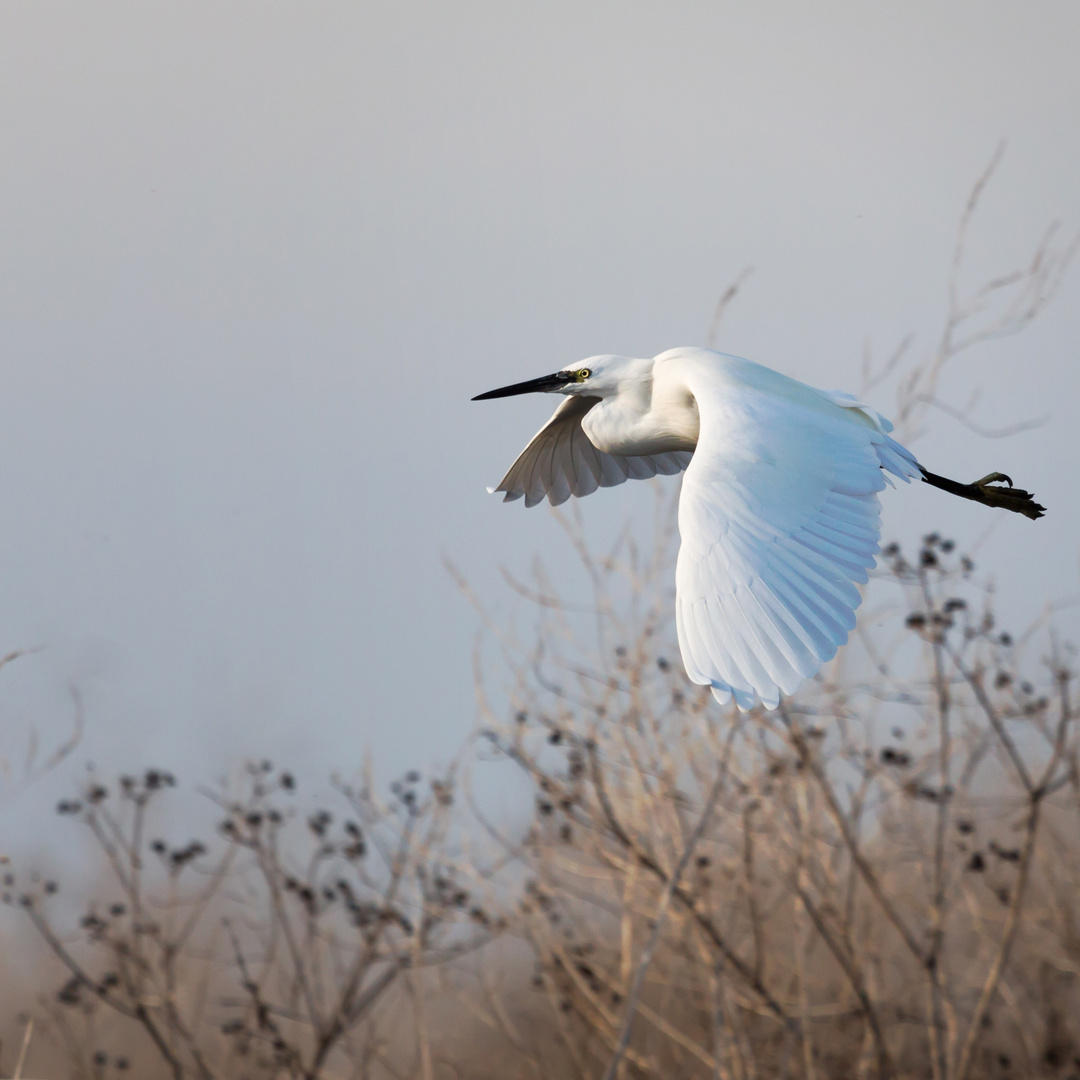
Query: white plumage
[778, 515]
[560, 461]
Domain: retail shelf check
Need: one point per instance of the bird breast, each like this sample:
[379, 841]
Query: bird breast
[635, 427]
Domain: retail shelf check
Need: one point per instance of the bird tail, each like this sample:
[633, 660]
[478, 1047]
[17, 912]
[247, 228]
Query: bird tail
[993, 490]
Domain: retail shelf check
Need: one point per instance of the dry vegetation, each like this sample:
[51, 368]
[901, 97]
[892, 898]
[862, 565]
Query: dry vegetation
[876, 880]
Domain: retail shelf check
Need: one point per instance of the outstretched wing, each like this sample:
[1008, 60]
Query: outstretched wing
[779, 519]
[560, 461]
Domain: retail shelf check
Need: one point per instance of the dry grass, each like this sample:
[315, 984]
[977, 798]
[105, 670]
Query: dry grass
[876, 880]
[882, 890]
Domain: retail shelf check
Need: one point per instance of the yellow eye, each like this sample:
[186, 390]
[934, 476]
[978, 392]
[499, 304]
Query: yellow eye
[582, 374]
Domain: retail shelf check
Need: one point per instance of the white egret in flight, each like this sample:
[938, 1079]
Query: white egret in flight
[778, 515]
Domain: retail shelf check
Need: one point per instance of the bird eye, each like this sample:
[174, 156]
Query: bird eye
[583, 374]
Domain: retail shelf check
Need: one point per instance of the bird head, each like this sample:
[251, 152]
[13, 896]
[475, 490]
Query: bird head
[599, 376]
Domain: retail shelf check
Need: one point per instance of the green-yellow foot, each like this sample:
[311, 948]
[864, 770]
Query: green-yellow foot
[995, 489]
[993, 478]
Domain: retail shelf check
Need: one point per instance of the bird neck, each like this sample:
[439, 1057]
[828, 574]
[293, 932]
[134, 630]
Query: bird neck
[643, 419]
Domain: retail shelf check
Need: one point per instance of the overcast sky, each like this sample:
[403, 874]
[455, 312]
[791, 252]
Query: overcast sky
[255, 258]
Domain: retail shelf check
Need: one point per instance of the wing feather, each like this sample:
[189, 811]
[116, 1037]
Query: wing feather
[790, 651]
[800, 638]
[780, 520]
[560, 461]
[797, 598]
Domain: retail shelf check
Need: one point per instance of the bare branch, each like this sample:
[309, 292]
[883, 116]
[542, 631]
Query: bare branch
[722, 304]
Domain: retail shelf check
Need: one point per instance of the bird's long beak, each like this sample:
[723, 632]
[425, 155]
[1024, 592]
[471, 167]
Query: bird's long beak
[533, 386]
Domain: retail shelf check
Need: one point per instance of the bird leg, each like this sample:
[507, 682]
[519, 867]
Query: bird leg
[996, 489]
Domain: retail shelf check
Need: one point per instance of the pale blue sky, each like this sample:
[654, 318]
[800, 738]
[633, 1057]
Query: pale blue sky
[256, 257]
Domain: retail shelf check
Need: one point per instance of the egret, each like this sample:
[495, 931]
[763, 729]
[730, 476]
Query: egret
[779, 517]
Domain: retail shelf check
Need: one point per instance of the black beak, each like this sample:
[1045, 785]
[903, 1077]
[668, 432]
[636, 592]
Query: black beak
[533, 386]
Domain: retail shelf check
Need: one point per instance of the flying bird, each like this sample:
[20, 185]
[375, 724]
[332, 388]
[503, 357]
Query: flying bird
[778, 515]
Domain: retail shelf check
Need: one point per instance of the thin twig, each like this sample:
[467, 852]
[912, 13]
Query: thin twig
[1008, 936]
[658, 924]
[24, 1050]
[726, 297]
